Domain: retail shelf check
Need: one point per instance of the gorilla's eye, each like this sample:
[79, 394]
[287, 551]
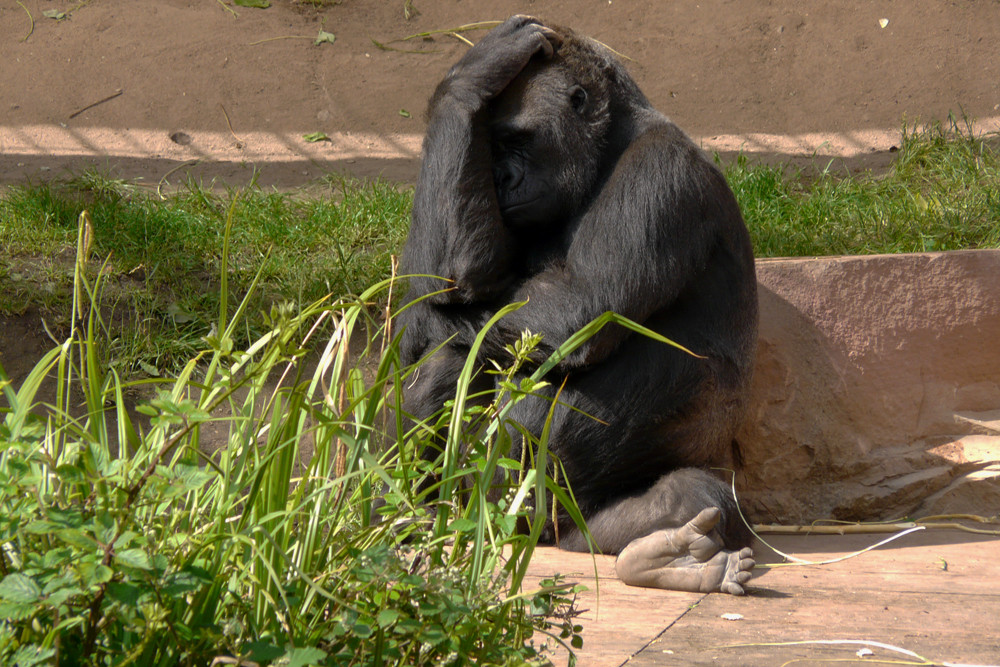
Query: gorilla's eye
[510, 141]
[578, 98]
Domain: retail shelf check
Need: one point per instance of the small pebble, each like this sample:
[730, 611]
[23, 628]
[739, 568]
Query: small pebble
[733, 617]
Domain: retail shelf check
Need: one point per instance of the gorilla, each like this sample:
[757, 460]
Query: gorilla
[547, 177]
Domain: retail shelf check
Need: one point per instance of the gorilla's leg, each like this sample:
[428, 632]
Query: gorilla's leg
[433, 384]
[684, 533]
[675, 499]
[689, 558]
[424, 396]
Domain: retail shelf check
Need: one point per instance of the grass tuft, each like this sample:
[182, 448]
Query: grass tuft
[136, 537]
[941, 193]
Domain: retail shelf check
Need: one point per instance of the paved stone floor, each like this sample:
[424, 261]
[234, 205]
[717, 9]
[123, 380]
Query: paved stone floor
[933, 595]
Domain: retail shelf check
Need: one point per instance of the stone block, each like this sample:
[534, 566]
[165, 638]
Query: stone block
[876, 393]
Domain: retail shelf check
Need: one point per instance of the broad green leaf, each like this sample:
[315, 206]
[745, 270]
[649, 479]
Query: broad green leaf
[93, 573]
[387, 617]
[259, 4]
[103, 573]
[301, 657]
[407, 626]
[76, 538]
[263, 651]
[136, 558]
[433, 635]
[462, 525]
[18, 587]
[186, 581]
[125, 539]
[31, 655]
[192, 477]
[41, 527]
[127, 594]
[60, 595]
[71, 473]
[313, 137]
[11, 611]
[57, 557]
[159, 563]
[507, 522]
[67, 517]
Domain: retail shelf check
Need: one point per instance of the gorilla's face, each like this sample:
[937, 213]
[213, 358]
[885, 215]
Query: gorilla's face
[545, 146]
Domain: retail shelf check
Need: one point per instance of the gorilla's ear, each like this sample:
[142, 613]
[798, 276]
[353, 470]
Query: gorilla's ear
[578, 98]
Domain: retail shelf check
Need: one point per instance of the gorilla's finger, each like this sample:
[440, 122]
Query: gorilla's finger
[552, 42]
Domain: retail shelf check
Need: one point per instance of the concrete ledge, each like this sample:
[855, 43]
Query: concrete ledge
[877, 388]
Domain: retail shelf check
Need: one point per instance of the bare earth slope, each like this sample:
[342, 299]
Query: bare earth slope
[779, 77]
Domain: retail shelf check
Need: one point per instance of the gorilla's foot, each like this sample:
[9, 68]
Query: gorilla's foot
[689, 558]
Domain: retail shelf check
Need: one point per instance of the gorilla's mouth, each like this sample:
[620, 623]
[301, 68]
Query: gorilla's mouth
[519, 212]
[519, 206]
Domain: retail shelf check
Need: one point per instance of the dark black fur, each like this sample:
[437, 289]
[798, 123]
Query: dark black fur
[548, 177]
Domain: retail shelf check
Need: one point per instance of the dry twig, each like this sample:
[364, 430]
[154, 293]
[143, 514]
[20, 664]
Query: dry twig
[31, 22]
[848, 528]
[275, 39]
[159, 186]
[239, 142]
[229, 9]
[94, 104]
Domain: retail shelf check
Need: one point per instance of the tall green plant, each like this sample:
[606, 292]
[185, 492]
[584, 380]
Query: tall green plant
[126, 541]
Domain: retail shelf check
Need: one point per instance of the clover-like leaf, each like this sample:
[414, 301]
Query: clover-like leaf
[313, 137]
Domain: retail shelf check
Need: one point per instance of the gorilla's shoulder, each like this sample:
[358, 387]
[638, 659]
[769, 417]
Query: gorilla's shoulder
[661, 139]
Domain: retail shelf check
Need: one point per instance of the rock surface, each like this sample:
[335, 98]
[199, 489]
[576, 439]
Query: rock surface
[877, 388]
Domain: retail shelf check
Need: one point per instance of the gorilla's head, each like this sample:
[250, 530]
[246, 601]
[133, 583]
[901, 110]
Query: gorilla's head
[549, 132]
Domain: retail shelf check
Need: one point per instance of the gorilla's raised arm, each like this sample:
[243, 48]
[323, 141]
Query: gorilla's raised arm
[457, 231]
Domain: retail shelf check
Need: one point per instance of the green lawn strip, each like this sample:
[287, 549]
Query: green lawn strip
[942, 192]
[162, 286]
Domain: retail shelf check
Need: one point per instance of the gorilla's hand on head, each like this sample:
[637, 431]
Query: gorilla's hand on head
[457, 231]
[489, 66]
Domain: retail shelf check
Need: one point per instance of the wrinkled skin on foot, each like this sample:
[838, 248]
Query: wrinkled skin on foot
[689, 558]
